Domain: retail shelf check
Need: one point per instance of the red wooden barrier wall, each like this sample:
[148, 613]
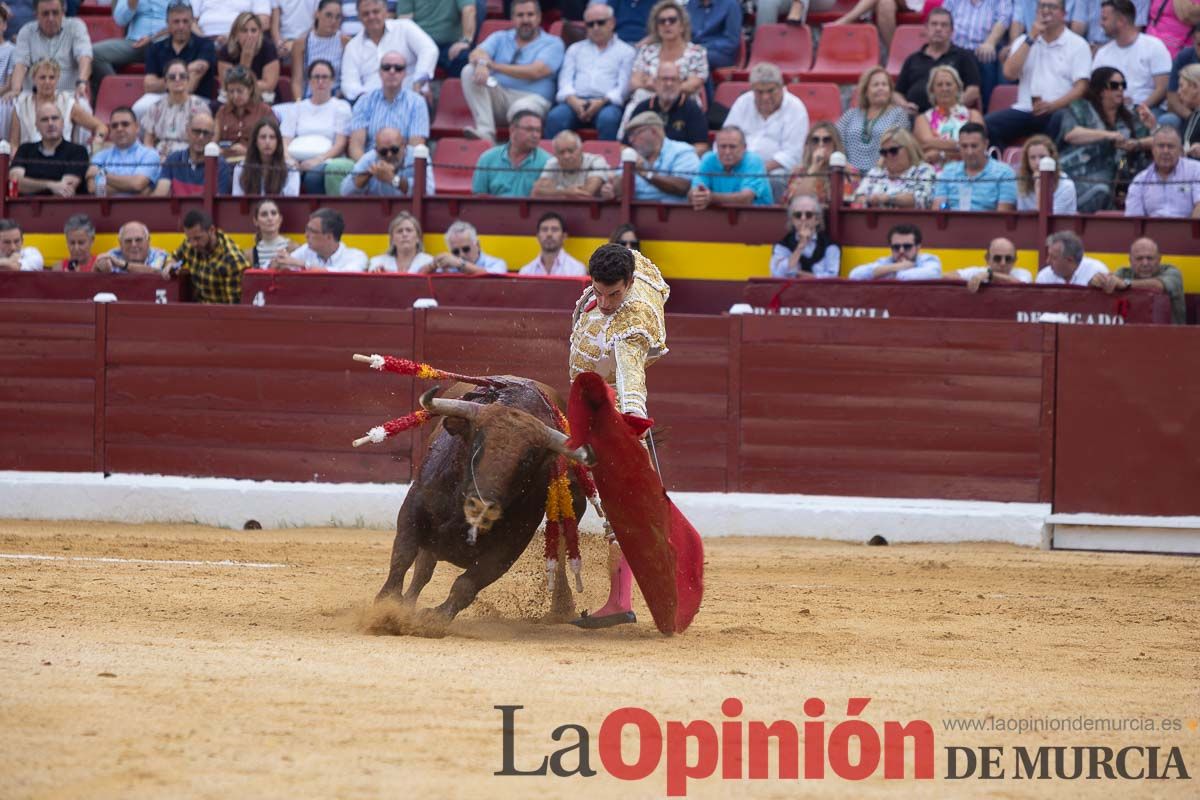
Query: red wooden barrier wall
[1128, 430]
[900, 408]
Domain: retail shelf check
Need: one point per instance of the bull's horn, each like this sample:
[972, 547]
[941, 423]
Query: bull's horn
[448, 408]
[557, 441]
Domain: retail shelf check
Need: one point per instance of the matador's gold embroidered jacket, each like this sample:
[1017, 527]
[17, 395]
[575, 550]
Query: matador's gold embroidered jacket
[620, 346]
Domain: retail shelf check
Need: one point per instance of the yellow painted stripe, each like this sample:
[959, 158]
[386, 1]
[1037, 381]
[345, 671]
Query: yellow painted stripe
[727, 261]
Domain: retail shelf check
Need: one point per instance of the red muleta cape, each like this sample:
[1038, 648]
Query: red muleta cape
[662, 548]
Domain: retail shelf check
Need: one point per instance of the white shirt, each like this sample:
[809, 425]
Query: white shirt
[1022, 275]
[564, 264]
[344, 259]
[215, 17]
[360, 61]
[587, 71]
[31, 260]
[291, 186]
[387, 263]
[1065, 199]
[1088, 268]
[295, 17]
[329, 119]
[779, 137]
[1140, 62]
[1052, 68]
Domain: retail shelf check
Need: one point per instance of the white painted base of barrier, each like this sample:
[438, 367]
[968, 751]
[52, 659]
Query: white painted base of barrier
[229, 503]
[1178, 535]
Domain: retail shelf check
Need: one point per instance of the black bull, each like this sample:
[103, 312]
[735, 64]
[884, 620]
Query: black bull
[480, 492]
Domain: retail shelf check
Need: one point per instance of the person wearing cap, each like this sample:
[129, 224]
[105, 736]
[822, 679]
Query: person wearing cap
[664, 167]
[511, 170]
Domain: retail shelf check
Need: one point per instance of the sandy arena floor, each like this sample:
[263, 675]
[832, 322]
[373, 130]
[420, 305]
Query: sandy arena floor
[142, 679]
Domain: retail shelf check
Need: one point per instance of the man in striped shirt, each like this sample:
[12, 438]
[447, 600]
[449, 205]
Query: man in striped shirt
[390, 106]
[979, 26]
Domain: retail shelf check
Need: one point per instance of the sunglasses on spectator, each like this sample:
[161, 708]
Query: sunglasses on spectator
[177, 76]
[896, 248]
[821, 139]
[320, 76]
[1114, 85]
[804, 215]
[392, 67]
[668, 20]
[595, 23]
[388, 151]
[999, 259]
[889, 151]
[461, 251]
[632, 244]
[202, 131]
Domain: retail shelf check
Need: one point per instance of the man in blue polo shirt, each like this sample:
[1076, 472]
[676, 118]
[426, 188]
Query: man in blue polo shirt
[730, 176]
[664, 167]
[182, 172]
[130, 167]
[512, 70]
[977, 183]
[510, 170]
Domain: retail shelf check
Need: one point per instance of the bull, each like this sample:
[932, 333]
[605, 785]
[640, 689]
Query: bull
[480, 492]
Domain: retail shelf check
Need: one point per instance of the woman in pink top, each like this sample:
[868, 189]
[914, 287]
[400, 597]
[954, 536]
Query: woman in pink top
[1172, 21]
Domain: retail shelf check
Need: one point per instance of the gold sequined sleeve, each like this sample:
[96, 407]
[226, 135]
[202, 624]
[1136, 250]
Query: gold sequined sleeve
[638, 329]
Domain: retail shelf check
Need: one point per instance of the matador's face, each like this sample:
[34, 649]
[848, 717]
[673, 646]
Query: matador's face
[610, 296]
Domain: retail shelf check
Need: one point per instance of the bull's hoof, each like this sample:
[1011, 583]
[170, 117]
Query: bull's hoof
[607, 621]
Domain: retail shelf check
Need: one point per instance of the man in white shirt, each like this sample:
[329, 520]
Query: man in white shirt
[380, 35]
[552, 259]
[593, 83]
[1068, 266]
[290, 19]
[1001, 259]
[1053, 65]
[14, 255]
[1144, 60]
[323, 248]
[215, 17]
[906, 262]
[775, 122]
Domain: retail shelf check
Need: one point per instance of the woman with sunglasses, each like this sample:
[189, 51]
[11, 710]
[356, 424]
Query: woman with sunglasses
[805, 251]
[322, 43]
[165, 125]
[1029, 177]
[900, 179]
[251, 48]
[812, 175]
[626, 236]
[937, 129]
[1103, 143]
[863, 124]
[668, 38]
[316, 130]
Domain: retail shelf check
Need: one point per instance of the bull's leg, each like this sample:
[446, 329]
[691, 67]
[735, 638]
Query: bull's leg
[404, 552]
[484, 572]
[422, 572]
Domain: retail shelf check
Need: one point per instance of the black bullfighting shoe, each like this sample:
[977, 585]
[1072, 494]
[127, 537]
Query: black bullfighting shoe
[607, 621]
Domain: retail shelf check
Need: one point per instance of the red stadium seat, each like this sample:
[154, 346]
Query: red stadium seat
[547, 145]
[609, 149]
[788, 47]
[91, 8]
[823, 100]
[1003, 96]
[454, 164]
[824, 17]
[453, 116]
[101, 28]
[495, 9]
[845, 53]
[729, 91]
[908, 40]
[490, 26]
[555, 28]
[116, 91]
[283, 91]
[1012, 156]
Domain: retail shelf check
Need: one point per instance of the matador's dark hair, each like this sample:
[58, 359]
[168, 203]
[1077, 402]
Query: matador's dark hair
[611, 263]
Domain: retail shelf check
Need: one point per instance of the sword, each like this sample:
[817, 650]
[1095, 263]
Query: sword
[653, 452]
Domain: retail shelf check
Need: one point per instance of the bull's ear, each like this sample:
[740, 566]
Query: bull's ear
[457, 426]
